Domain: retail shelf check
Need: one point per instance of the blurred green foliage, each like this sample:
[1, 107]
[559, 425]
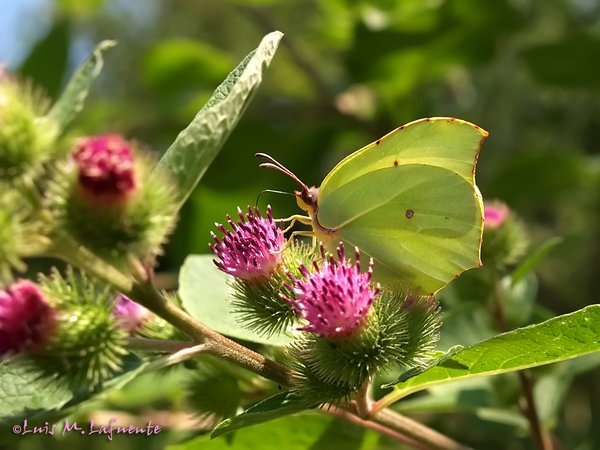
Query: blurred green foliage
[349, 71]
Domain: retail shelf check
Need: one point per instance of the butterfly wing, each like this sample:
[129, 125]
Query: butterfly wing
[410, 201]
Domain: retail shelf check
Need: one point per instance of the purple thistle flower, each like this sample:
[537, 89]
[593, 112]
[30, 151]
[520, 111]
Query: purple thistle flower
[252, 250]
[336, 298]
[106, 168]
[495, 213]
[27, 320]
[129, 314]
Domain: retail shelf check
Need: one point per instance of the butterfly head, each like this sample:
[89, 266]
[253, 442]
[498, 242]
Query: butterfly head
[306, 197]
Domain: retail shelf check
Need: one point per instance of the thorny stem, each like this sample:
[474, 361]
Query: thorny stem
[210, 342]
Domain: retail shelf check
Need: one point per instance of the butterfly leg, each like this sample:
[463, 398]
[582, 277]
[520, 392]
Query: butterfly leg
[305, 220]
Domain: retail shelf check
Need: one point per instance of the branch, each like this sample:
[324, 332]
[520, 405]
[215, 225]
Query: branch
[210, 342]
[348, 416]
[416, 431]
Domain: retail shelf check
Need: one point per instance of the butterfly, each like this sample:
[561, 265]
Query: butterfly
[408, 200]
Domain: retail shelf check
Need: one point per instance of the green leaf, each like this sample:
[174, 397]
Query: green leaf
[72, 99]
[536, 257]
[25, 393]
[279, 405]
[305, 431]
[205, 294]
[558, 339]
[194, 149]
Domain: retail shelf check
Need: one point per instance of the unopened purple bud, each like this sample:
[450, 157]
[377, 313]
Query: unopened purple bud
[130, 315]
[106, 168]
[252, 250]
[336, 298]
[495, 213]
[27, 320]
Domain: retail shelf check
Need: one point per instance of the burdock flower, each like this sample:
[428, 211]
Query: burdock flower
[336, 298]
[106, 168]
[252, 251]
[27, 320]
[495, 213]
[129, 314]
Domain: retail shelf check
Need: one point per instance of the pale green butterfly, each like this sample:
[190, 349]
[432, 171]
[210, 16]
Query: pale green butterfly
[408, 200]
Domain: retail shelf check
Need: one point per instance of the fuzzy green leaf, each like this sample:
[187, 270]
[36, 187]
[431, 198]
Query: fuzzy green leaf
[194, 149]
[205, 294]
[558, 339]
[72, 99]
[279, 405]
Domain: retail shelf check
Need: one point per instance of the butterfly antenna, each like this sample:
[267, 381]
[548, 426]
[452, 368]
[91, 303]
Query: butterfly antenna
[274, 164]
[272, 191]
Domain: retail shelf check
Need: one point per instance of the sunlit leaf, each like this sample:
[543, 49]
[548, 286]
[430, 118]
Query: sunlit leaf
[194, 149]
[558, 339]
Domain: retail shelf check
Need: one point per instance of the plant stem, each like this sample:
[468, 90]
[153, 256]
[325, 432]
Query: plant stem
[363, 401]
[147, 295]
[177, 357]
[348, 416]
[210, 342]
[216, 344]
[540, 435]
[416, 431]
[157, 345]
[542, 438]
[67, 249]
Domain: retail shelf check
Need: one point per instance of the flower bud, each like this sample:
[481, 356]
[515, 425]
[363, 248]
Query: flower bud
[27, 320]
[129, 314]
[109, 203]
[88, 345]
[495, 213]
[504, 237]
[336, 298]
[24, 137]
[255, 253]
[252, 250]
[353, 331]
[106, 173]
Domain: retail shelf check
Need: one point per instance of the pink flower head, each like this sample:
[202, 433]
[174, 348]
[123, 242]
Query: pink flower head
[27, 320]
[129, 314]
[106, 168]
[495, 213]
[252, 250]
[336, 298]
